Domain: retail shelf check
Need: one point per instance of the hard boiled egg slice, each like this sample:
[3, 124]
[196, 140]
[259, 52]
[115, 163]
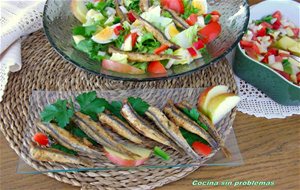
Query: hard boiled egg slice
[201, 5]
[105, 36]
[171, 31]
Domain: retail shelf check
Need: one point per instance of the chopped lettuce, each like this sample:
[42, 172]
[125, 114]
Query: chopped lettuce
[153, 16]
[147, 43]
[184, 55]
[186, 38]
[120, 58]
[133, 5]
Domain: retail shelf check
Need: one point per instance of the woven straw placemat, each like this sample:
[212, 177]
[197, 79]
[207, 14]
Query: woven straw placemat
[44, 69]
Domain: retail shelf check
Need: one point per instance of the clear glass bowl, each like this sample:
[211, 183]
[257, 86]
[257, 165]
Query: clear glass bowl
[58, 23]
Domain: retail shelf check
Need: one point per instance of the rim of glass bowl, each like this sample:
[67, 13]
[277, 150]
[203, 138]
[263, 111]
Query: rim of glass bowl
[66, 57]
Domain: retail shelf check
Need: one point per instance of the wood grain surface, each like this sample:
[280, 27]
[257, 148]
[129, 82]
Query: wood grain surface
[270, 149]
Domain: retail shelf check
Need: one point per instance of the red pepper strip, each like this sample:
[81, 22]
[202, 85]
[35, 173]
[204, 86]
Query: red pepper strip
[161, 49]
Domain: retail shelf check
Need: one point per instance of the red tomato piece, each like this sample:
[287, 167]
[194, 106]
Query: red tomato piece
[284, 74]
[210, 32]
[276, 25]
[298, 77]
[245, 44]
[266, 25]
[121, 68]
[134, 37]
[216, 13]
[156, 67]
[192, 52]
[273, 51]
[255, 48]
[215, 18]
[118, 29]
[278, 58]
[192, 19]
[161, 49]
[262, 32]
[296, 31]
[41, 139]
[131, 17]
[251, 53]
[201, 148]
[277, 15]
[175, 5]
[199, 44]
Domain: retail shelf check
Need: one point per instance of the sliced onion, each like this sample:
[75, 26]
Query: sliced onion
[110, 11]
[170, 63]
[123, 9]
[271, 59]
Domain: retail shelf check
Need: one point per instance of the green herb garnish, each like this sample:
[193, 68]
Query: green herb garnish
[287, 66]
[63, 149]
[194, 115]
[191, 137]
[138, 105]
[160, 153]
[188, 9]
[207, 18]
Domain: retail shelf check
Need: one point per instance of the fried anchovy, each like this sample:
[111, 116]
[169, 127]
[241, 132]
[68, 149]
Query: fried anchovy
[177, 19]
[143, 126]
[119, 11]
[156, 32]
[120, 127]
[66, 139]
[144, 5]
[211, 127]
[141, 57]
[184, 121]
[171, 130]
[53, 155]
[96, 132]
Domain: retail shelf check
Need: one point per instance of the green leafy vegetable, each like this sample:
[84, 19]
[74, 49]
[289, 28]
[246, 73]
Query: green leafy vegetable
[147, 43]
[207, 19]
[86, 31]
[287, 66]
[166, 14]
[191, 137]
[138, 105]
[79, 133]
[264, 19]
[188, 9]
[115, 108]
[269, 31]
[63, 149]
[57, 112]
[91, 105]
[141, 65]
[133, 5]
[101, 5]
[160, 153]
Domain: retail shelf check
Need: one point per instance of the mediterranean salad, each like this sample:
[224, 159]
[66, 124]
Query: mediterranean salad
[129, 132]
[139, 36]
[274, 40]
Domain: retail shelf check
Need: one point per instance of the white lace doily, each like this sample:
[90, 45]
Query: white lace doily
[254, 102]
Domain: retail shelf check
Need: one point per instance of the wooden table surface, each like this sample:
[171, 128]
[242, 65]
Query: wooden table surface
[270, 149]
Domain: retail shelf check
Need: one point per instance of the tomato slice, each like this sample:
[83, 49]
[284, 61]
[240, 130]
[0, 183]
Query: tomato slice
[245, 44]
[277, 15]
[210, 32]
[296, 31]
[251, 52]
[134, 37]
[262, 32]
[41, 139]
[131, 17]
[156, 67]
[201, 148]
[161, 49]
[199, 44]
[284, 74]
[216, 13]
[175, 5]
[118, 29]
[192, 51]
[121, 68]
[256, 49]
[278, 58]
[276, 25]
[192, 19]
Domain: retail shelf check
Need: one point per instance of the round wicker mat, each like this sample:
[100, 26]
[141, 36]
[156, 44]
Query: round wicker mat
[44, 69]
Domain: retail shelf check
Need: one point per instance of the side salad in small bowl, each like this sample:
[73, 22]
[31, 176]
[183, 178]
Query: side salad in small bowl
[268, 54]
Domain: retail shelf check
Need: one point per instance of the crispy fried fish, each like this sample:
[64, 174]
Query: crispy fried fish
[156, 32]
[95, 131]
[141, 57]
[120, 127]
[171, 130]
[144, 127]
[144, 5]
[66, 139]
[177, 19]
[53, 155]
[211, 127]
[119, 11]
[182, 120]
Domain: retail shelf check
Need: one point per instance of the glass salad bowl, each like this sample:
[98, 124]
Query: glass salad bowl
[58, 22]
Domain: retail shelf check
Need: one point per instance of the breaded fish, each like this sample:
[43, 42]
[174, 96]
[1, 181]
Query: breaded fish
[180, 22]
[95, 131]
[185, 122]
[120, 127]
[171, 130]
[144, 127]
[53, 155]
[141, 57]
[66, 139]
[156, 32]
[119, 11]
